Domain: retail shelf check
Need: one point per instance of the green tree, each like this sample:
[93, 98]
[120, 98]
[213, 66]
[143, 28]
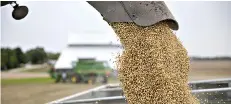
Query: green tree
[37, 55]
[12, 59]
[20, 56]
[4, 58]
[53, 56]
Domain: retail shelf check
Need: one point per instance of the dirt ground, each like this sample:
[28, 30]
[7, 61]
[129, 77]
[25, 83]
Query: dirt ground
[39, 93]
[7, 75]
[43, 93]
[204, 70]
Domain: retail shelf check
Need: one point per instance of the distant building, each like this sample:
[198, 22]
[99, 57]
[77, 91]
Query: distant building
[102, 47]
[51, 62]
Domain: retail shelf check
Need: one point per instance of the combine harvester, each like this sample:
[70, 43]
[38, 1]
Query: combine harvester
[143, 13]
[84, 71]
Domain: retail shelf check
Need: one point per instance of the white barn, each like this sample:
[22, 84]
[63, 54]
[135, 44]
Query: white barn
[102, 47]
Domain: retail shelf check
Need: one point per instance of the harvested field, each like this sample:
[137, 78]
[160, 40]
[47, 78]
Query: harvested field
[39, 93]
[205, 69]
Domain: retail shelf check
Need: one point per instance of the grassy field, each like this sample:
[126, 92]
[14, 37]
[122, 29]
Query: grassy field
[12, 82]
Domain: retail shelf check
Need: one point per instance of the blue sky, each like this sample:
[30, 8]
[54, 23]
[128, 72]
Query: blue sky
[204, 25]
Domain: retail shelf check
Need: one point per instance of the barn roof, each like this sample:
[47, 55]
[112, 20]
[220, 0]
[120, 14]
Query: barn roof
[102, 47]
[95, 45]
[70, 54]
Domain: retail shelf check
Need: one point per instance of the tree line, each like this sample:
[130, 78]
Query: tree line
[210, 58]
[13, 58]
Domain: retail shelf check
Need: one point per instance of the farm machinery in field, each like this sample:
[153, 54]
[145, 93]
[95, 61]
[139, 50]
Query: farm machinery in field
[83, 71]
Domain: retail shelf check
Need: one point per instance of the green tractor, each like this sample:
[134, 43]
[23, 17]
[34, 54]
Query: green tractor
[85, 71]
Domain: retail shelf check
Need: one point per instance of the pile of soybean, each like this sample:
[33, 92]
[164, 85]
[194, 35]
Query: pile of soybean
[153, 67]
